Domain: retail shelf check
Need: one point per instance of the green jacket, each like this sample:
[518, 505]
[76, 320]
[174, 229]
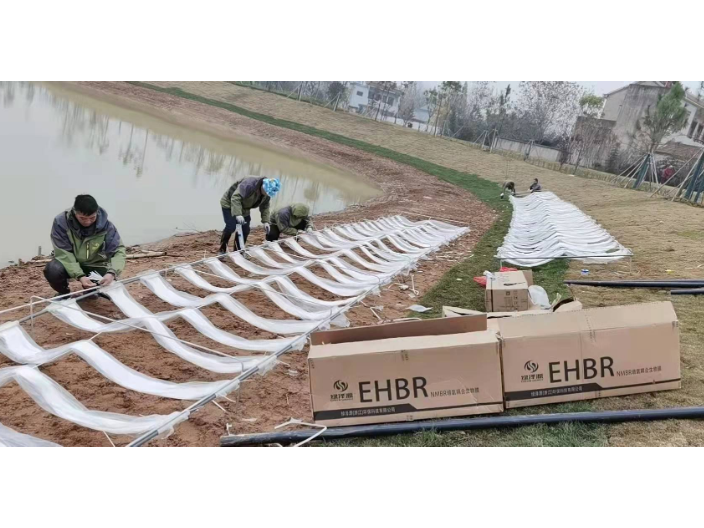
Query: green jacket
[97, 246]
[245, 195]
[288, 219]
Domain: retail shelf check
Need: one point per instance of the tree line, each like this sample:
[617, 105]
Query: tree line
[558, 114]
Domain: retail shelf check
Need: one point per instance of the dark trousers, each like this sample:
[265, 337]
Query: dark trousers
[275, 234]
[57, 276]
[230, 227]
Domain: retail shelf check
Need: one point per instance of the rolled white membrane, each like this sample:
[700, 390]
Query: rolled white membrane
[544, 227]
[17, 345]
[56, 400]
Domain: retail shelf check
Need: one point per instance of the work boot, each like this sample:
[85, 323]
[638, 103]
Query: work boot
[223, 244]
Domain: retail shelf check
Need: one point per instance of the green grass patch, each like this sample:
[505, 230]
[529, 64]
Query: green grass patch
[562, 435]
[456, 288]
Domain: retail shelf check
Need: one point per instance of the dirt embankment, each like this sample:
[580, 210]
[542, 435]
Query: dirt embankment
[262, 402]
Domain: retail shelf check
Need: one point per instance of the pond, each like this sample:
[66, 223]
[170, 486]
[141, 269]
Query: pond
[154, 178]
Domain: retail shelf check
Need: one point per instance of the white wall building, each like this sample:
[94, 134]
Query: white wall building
[359, 97]
[364, 95]
[627, 107]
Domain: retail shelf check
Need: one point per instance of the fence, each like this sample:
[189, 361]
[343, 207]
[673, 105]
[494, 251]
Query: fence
[529, 150]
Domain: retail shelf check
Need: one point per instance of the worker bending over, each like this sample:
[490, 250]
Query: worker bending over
[84, 241]
[239, 200]
[289, 221]
[509, 187]
[536, 187]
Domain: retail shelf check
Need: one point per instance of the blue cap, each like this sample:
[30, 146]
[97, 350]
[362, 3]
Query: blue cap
[271, 187]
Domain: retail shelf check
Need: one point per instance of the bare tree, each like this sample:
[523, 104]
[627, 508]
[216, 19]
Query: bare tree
[590, 134]
[379, 92]
[592, 141]
[409, 102]
[450, 94]
[548, 107]
[337, 91]
[432, 101]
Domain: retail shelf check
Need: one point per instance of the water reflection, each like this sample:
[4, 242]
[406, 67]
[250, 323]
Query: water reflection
[63, 143]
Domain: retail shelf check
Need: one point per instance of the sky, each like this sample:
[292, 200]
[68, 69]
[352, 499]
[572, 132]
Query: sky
[598, 87]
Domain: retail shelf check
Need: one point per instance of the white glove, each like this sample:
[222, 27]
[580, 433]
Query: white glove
[267, 228]
[239, 219]
[309, 229]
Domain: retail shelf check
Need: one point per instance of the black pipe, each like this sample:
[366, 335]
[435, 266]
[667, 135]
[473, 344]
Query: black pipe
[370, 431]
[688, 292]
[662, 285]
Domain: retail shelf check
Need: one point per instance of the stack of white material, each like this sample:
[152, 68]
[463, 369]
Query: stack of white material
[411, 242]
[544, 228]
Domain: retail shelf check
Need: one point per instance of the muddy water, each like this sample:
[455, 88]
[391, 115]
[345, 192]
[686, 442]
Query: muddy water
[154, 178]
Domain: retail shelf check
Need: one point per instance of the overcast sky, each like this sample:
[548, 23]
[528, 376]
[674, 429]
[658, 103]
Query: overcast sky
[601, 87]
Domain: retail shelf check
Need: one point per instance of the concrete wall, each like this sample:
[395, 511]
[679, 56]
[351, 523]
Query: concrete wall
[613, 104]
[536, 151]
[638, 99]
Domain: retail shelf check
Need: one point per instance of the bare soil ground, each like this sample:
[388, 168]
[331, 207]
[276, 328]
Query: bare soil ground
[667, 238]
[263, 402]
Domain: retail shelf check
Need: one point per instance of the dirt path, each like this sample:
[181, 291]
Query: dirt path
[667, 238]
[261, 403]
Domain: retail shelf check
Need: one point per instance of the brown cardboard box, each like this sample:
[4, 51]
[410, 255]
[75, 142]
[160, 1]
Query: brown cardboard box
[451, 311]
[508, 292]
[494, 317]
[406, 371]
[590, 354]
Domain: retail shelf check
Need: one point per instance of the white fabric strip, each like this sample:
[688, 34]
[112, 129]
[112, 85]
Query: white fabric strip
[20, 348]
[69, 312]
[287, 286]
[11, 438]
[56, 400]
[306, 313]
[160, 287]
[343, 290]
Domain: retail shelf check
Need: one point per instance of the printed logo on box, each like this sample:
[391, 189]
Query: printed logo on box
[341, 387]
[532, 377]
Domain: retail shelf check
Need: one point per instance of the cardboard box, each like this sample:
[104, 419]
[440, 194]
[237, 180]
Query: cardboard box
[508, 292]
[590, 354]
[571, 306]
[406, 371]
[494, 317]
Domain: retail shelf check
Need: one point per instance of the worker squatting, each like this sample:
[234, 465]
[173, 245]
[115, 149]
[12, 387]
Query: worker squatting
[88, 248]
